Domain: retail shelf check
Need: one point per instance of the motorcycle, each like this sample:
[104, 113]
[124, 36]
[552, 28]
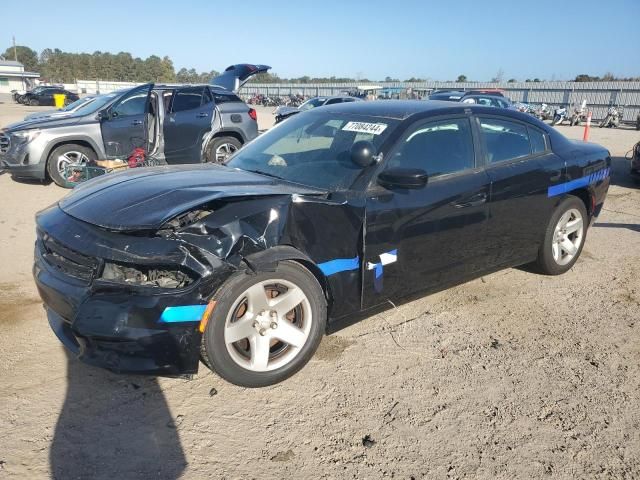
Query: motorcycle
[613, 118]
[543, 112]
[559, 116]
[579, 114]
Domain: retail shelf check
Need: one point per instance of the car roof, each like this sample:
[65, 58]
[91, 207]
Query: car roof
[403, 109]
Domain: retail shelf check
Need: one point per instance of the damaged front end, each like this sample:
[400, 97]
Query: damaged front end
[129, 303]
[127, 287]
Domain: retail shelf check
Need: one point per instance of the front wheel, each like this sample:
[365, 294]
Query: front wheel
[265, 326]
[564, 237]
[65, 156]
[221, 148]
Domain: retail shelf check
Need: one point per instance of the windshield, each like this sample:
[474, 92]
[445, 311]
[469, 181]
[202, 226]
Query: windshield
[313, 148]
[96, 104]
[313, 103]
[76, 104]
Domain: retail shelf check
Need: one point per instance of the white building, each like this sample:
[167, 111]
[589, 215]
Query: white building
[13, 76]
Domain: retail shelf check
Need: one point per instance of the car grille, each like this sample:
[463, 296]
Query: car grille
[5, 143]
[65, 260]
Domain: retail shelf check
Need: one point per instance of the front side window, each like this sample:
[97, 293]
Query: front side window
[437, 147]
[333, 101]
[313, 103]
[504, 140]
[313, 149]
[187, 99]
[134, 105]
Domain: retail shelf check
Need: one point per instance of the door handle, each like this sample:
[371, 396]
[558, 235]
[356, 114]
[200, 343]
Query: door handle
[203, 115]
[136, 122]
[472, 201]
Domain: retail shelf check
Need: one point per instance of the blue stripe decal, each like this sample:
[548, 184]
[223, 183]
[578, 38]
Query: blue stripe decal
[184, 313]
[578, 183]
[339, 265]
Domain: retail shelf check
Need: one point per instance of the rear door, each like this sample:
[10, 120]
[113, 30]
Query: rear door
[419, 238]
[187, 123]
[521, 167]
[236, 75]
[124, 122]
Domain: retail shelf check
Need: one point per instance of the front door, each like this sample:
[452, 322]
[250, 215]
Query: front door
[418, 238]
[187, 123]
[124, 123]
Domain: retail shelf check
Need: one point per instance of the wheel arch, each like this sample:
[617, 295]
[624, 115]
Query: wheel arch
[587, 198]
[268, 260]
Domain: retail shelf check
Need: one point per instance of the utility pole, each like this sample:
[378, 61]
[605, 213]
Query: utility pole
[15, 50]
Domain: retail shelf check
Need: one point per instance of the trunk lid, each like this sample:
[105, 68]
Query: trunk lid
[237, 75]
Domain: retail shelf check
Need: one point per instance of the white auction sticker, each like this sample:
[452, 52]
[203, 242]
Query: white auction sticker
[364, 127]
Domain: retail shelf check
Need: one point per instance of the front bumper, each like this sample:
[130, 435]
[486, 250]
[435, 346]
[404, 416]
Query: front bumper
[22, 160]
[117, 327]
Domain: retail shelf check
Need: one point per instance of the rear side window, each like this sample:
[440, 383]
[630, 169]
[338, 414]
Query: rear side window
[538, 141]
[504, 140]
[440, 147]
[333, 100]
[187, 99]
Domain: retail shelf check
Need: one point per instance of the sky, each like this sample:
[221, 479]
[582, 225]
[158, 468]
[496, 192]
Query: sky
[548, 39]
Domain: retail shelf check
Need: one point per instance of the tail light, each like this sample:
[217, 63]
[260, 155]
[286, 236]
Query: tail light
[253, 114]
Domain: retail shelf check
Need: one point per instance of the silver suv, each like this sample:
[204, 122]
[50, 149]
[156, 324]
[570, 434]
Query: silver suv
[172, 123]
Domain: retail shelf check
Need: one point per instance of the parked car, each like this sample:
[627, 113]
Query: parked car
[172, 123]
[284, 112]
[61, 112]
[488, 100]
[45, 97]
[635, 162]
[19, 95]
[458, 95]
[317, 221]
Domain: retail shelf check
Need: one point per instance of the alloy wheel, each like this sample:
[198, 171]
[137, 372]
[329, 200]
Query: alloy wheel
[70, 158]
[567, 236]
[224, 151]
[268, 325]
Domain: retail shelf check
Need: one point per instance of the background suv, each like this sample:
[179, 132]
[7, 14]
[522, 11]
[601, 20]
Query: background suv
[172, 123]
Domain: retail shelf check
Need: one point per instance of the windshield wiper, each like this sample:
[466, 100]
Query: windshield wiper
[260, 172]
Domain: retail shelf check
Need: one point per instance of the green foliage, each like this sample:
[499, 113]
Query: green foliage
[26, 56]
[461, 78]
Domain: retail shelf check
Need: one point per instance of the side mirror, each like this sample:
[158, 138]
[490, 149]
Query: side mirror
[403, 178]
[103, 115]
[363, 153]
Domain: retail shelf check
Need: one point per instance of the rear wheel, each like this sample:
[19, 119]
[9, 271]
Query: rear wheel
[564, 237]
[221, 148]
[65, 156]
[265, 326]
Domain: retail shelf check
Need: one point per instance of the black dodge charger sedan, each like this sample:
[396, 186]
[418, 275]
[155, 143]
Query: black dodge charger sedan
[324, 217]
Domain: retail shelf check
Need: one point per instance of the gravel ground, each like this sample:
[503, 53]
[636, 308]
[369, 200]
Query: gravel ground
[513, 375]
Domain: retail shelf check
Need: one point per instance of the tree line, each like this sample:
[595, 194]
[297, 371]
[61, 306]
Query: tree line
[57, 66]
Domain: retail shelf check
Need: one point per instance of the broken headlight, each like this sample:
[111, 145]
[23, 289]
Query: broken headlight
[146, 277]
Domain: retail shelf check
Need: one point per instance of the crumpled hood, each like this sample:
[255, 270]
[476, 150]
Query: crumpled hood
[146, 198]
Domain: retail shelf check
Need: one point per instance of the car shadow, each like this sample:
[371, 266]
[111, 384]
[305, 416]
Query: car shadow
[634, 227]
[28, 181]
[114, 426]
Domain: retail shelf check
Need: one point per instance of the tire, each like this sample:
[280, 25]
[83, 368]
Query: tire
[551, 263]
[638, 123]
[604, 123]
[34, 102]
[240, 362]
[215, 152]
[64, 155]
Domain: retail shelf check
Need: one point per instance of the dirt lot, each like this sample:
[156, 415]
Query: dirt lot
[513, 375]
